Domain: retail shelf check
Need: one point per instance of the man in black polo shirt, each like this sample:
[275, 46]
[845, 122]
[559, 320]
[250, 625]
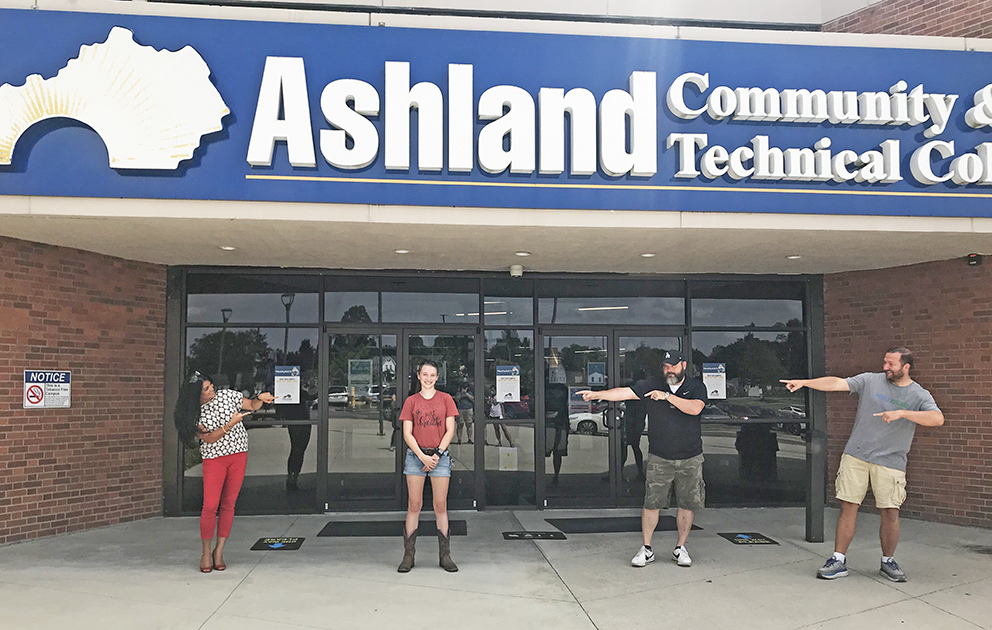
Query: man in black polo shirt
[675, 449]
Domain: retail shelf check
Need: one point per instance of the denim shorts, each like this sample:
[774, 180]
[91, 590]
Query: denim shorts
[413, 466]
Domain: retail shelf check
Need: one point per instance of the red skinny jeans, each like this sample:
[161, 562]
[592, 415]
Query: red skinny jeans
[222, 478]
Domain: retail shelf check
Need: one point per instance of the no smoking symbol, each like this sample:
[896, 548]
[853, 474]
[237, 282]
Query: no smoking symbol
[35, 394]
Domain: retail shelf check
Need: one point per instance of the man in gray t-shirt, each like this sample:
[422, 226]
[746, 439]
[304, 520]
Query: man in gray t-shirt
[890, 406]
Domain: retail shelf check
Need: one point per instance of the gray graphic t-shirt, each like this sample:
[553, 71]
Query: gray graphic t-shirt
[874, 441]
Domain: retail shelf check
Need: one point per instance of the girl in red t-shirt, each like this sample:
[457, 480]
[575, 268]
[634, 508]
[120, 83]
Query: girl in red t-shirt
[428, 427]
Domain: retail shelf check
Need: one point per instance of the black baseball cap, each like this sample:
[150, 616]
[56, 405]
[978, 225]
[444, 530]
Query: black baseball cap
[673, 357]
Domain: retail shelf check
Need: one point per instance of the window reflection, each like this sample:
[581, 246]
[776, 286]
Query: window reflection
[510, 478]
[252, 307]
[753, 464]
[281, 474]
[264, 489]
[765, 313]
[443, 308]
[351, 307]
[754, 363]
[618, 310]
[244, 359]
[509, 311]
[576, 441]
[507, 350]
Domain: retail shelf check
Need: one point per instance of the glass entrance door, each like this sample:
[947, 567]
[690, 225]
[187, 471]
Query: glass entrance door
[594, 450]
[639, 356]
[361, 407]
[578, 435]
[454, 353]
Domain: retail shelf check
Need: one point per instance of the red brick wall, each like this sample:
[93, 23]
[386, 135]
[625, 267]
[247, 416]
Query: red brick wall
[943, 312]
[103, 318]
[947, 18]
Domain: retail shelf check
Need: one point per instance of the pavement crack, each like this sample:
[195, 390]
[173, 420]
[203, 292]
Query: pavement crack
[558, 575]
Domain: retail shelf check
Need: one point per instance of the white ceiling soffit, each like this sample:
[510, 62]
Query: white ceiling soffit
[366, 237]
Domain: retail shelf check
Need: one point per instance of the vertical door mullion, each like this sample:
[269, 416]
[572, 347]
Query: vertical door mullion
[479, 381]
[401, 389]
[539, 420]
[613, 409]
[323, 431]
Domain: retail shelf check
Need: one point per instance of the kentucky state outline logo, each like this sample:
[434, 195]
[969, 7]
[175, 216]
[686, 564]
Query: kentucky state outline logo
[150, 107]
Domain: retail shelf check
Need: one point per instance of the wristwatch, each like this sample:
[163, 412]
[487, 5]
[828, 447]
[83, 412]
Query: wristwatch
[667, 395]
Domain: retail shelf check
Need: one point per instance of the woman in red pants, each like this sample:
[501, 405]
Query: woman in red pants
[213, 419]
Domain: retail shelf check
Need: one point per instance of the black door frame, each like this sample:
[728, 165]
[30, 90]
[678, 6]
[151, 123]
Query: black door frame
[566, 330]
[176, 325]
[323, 427]
[478, 458]
[612, 333]
[677, 332]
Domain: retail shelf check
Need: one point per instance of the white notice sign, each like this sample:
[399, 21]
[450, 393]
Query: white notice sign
[287, 385]
[715, 380]
[507, 383]
[45, 389]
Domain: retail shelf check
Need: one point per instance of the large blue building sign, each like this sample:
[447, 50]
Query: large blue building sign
[95, 105]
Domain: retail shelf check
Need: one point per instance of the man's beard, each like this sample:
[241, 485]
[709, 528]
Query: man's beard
[674, 378]
[894, 376]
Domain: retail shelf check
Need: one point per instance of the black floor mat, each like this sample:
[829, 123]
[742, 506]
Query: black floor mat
[387, 528]
[610, 524]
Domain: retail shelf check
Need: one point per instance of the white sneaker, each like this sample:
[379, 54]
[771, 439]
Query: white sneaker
[643, 557]
[681, 556]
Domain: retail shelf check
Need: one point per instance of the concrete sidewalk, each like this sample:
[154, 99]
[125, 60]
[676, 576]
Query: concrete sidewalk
[144, 575]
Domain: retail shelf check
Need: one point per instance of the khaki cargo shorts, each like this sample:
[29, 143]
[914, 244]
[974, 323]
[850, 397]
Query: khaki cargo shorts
[687, 474]
[887, 484]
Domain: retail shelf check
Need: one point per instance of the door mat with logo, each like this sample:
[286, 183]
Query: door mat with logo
[533, 536]
[748, 538]
[388, 528]
[610, 524]
[278, 543]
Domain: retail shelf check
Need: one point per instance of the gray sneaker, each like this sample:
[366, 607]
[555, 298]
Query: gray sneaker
[833, 568]
[892, 571]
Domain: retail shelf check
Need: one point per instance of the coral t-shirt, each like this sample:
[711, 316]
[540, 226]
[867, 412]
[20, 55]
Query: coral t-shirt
[428, 417]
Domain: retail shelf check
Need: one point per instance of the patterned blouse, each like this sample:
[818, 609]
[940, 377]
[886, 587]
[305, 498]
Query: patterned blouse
[215, 414]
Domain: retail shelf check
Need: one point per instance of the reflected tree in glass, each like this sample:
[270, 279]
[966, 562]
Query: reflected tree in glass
[246, 352]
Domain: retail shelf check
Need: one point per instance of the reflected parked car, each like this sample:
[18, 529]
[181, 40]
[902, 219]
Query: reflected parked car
[588, 423]
[337, 396]
[712, 411]
[791, 412]
[517, 410]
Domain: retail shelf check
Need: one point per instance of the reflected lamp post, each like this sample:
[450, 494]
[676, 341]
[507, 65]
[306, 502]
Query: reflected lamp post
[287, 301]
[225, 313]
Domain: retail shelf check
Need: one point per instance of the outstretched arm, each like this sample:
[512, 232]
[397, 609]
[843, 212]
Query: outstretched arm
[615, 394]
[822, 384]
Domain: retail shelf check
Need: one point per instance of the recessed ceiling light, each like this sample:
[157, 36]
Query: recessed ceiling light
[228, 248]
[522, 253]
[648, 255]
[794, 257]
[402, 251]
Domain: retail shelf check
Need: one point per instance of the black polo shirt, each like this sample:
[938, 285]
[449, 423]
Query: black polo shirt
[672, 433]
